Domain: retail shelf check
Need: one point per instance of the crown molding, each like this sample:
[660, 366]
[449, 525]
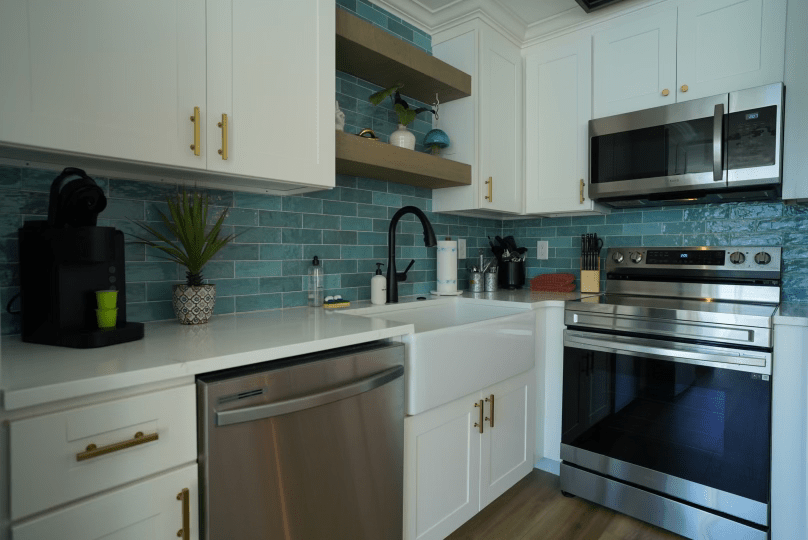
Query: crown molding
[435, 21]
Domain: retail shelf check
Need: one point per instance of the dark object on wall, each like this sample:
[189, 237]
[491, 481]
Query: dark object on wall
[64, 261]
[591, 5]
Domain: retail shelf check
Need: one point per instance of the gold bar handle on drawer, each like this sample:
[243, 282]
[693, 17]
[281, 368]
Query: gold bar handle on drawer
[195, 119]
[490, 196]
[490, 399]
[223, 125]
[479, 424]
[582, 191]
[93, 451]
[185, 497]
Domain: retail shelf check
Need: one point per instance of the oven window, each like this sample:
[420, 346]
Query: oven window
[703, 424]
[669, 150]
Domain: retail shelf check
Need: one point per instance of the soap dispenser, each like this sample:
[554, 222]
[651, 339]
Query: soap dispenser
[378, 287]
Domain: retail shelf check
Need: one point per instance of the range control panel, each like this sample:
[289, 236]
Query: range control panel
[741, 258]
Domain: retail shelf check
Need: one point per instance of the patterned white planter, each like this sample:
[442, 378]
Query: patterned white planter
[194, 305]
[403, 137]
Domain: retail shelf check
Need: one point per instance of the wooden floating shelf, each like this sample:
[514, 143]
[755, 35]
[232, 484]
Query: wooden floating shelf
[370, 158]
[370, 53]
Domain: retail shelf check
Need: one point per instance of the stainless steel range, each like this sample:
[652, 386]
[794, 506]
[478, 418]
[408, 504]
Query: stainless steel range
[666, 412]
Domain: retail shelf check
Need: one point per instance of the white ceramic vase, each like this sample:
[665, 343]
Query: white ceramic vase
[403, 137]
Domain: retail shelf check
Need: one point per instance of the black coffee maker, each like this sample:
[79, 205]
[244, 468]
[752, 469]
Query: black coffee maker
[64, 261]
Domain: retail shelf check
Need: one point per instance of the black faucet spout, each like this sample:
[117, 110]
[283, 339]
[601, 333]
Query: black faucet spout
[429, 241]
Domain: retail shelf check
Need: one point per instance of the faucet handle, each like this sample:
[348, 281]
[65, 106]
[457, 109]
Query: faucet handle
[402, 276]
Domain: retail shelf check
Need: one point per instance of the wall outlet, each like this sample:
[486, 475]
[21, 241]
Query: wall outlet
[461, 248]
[542, 249]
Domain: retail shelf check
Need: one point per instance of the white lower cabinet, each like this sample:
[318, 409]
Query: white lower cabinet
[452, 470]
[151, 509]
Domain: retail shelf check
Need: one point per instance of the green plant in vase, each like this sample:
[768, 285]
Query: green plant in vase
[402, 136]
[196, 243]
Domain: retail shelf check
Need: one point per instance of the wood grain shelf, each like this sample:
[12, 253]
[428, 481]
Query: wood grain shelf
[358, 156]
[372, 54]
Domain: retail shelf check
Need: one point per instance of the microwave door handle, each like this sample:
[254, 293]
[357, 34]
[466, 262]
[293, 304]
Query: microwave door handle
[718, 142]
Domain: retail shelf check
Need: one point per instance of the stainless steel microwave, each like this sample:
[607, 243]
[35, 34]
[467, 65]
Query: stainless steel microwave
[722, 148]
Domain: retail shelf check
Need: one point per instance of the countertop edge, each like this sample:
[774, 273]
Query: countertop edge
[13, 400]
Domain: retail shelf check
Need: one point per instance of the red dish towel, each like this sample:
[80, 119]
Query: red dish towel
[553, 283]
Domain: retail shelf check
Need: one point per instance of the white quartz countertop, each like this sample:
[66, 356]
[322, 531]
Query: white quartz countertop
[792, 313]
[32, 374]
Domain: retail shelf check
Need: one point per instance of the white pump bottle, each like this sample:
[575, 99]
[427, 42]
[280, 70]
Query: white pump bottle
[378, 287]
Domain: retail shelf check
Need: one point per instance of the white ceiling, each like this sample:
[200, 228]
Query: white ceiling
[529, 11]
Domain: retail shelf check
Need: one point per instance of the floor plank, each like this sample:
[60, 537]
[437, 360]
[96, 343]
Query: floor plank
[534, 509]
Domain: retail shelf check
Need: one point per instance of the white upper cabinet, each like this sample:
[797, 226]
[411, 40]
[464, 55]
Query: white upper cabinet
[727, 45]
[117, 79]
[635, 64]
[108, 81]
[485, 128]
[271, 71]
[694, 50]
[558, 107]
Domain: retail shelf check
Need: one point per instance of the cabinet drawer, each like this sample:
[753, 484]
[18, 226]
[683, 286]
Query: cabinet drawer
[50, 464]
[143, 511]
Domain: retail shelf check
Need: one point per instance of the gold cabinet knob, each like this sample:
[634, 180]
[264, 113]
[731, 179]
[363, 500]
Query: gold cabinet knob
[684, 88]
[665, 92]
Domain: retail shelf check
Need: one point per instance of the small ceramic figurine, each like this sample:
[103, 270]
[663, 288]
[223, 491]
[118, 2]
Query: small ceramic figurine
[340, 117]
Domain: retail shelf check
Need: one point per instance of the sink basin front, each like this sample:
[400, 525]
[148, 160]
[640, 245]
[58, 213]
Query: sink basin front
[459, 347]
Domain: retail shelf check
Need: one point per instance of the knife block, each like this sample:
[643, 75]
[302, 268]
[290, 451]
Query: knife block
[590, 280]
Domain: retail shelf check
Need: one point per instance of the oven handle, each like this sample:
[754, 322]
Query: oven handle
[740, 360]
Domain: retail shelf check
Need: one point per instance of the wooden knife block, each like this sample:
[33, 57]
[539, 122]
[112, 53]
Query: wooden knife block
[590, 280]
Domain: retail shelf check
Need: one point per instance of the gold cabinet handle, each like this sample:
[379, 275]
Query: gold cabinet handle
[223, 125]
[490, 183]
[490, 399]
[93, 451]
[195, 119]
[582, 190]
[684, 88]
[185, 497]
[665, 92]
[479, 424]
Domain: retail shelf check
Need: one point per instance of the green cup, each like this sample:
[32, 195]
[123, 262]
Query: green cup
[107, 299]
[106, 317]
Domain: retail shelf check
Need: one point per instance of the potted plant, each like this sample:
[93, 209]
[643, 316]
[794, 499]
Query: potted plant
[402, 136]
[196, 243]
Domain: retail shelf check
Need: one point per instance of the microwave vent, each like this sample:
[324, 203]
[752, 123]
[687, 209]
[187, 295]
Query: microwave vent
[591, 5]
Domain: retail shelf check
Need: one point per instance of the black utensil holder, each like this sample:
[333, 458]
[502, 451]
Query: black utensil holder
[511, 275]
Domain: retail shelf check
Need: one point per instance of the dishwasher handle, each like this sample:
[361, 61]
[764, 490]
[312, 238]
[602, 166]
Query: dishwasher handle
[360, 386]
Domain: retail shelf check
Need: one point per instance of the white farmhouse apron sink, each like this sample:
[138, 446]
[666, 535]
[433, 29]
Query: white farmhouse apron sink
[459, 346]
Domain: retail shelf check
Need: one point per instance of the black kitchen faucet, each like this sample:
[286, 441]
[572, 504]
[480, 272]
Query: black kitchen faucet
[394, 277]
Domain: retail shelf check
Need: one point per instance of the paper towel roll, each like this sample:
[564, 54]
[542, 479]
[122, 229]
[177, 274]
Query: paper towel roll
[447, 267]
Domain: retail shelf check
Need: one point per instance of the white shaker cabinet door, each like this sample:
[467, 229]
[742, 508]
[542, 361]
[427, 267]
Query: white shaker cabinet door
[441, 469]
[728, 45]
[507, 449]
[271, 71]
[501, 126]
[558, 108]
[112, 78]
[635, 65]
[144, 511]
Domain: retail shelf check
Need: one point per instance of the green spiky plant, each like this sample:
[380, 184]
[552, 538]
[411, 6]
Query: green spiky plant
[196, 244]
[402, 108]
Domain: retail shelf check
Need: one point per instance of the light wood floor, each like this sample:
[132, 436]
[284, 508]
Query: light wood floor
[534, 509]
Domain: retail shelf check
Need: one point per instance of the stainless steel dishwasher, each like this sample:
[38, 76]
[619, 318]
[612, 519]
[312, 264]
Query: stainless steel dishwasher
[305, 448]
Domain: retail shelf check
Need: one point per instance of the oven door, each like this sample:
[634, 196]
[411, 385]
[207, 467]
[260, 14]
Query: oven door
[662, 150]
[689, 421]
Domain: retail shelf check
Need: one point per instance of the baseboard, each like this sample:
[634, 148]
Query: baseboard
[549, 465]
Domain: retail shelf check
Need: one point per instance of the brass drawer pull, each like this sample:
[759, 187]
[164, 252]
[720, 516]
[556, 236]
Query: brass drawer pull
[490, 399]
[480, 423]
[223, 125]
[195, 119]
[490, 196]
[93, 451]
[582, 191]
[185, 497]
